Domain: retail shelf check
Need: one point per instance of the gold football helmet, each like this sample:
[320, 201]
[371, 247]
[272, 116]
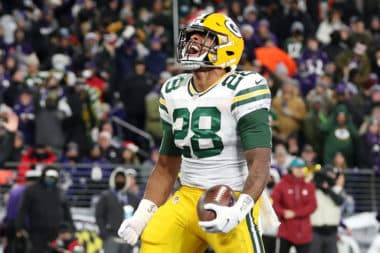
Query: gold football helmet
[222, 44]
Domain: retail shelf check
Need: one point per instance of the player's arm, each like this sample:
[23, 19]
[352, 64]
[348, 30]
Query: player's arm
[159, 186]
[258, 160]
[256, 137]
[162, 179]
[165, 173]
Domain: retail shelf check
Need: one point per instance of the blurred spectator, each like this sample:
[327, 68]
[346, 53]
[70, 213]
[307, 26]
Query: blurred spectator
[132, 185]
[325, 220]
[129, 154]
[32, 159]
[347, 94]
[323, 93]
[52, 109]
[107, 126]
[126, 55]
[314, 118]
[44, 207]
[82, 101]
[235, 11]
[311, 65]
[147, 166]
[34, 77]
[339, 162]
[330, 24]
[248, 32]
[9, 122]
[133, 92]
[263, 33]
[375, 59]
[271, 56]
[336, 45]
[113, 206]
[250, 16]
[153, 121]
[374, 28]
[294, 202]
[92, 79]
[373, 108]
[72, 154]
[359, 33]
[15, 195]
[24, 108]
[290, 108]
[368, 150]
[156, 59]
[66, 241]
[294, 44]
[281, 158]
[355, 60]
[105, 59]
[296, 14]
[311, 166]
[340, 135]
[17, 151]
[293, 145]
[108, 152]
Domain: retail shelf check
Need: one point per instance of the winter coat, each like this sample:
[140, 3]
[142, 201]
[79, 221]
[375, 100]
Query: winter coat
[299, 196]
[45, 208]
[6, 145]
[109, 211]
[29, 159]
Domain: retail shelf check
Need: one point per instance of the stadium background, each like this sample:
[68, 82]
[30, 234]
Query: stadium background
[83, 76]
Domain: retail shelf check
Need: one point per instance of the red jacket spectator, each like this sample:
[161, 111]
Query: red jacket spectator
[293, 193]
[32, 157]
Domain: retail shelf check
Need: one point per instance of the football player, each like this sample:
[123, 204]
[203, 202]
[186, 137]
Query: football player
[215, 131]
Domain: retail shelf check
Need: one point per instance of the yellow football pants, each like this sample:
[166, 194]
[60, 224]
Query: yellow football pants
[174, 229]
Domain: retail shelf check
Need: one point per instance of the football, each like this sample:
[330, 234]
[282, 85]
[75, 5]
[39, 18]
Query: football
[220, 195]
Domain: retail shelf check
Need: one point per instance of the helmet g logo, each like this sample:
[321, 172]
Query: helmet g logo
[233, 27]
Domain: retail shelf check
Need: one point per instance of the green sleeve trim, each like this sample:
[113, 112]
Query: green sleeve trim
[254, 130]
[163, 107]
[250, 89]
[250, 100]
[167, 143]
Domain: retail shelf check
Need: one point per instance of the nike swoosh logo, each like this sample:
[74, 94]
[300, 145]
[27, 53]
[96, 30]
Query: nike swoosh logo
[258, 82]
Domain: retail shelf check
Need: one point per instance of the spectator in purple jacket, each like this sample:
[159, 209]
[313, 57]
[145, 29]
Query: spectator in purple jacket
[311, 65]
[24, 108]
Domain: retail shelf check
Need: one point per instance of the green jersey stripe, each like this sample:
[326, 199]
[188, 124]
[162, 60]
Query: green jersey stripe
[248, 90]
[164, 108]
[249, 100]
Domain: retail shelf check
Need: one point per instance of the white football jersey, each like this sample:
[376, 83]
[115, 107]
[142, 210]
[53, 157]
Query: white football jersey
[204, 125]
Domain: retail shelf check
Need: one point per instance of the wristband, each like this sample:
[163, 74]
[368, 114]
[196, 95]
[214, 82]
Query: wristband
[244, 204]
[145, 210]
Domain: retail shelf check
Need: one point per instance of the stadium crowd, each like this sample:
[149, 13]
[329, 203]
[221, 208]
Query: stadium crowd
[69, 67]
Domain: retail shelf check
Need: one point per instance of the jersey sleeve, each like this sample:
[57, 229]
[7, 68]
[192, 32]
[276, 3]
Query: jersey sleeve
[167, 142]
[252, 94]
[163, 109]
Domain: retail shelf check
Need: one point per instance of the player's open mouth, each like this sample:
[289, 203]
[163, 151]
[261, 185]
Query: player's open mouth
[194, 50]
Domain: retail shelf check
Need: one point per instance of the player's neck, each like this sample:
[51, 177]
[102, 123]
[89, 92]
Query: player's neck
[203, 79]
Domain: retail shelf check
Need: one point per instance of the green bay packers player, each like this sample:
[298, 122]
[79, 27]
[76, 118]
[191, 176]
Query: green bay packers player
[215, 131]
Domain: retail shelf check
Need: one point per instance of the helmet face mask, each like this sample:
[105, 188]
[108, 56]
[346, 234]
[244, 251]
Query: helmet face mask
[192, 52]
[221, 45]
